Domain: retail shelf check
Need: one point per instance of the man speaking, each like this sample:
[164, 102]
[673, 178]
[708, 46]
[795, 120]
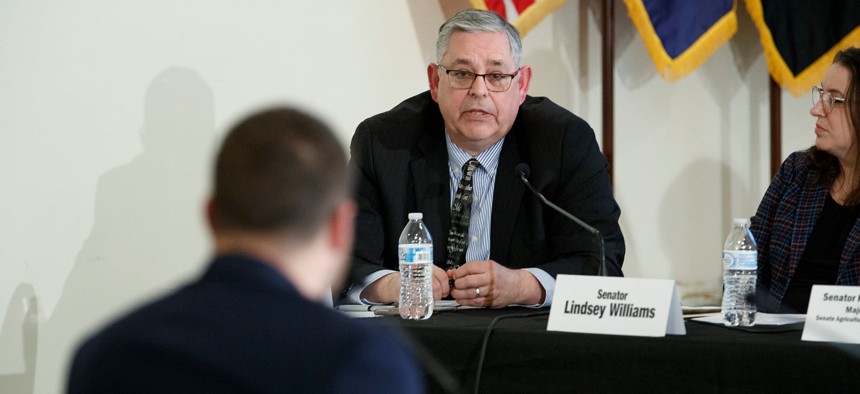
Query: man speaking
[451, 153]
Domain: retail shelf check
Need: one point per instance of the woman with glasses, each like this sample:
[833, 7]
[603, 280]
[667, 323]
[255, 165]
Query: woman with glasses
[806, 225]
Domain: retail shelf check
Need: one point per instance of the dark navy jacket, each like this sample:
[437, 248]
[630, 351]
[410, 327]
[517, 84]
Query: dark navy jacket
[242, 327]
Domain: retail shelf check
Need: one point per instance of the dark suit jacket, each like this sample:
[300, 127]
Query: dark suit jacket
[400, 158]
[241, 328]
[783, 223]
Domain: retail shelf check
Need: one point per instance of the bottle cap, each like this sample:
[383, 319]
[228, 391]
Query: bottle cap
[741, 222]
[416, 216]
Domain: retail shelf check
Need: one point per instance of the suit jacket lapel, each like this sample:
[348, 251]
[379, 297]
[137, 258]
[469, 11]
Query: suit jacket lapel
[432, 191]
[507, 195]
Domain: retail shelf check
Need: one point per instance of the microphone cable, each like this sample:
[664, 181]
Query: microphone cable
[489, 331]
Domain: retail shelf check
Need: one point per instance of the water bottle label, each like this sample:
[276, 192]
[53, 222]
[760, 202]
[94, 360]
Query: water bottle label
[416, 253]
[740, 259]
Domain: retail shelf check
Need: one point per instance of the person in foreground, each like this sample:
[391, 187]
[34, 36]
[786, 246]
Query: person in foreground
[806, 226]
[282, 222]
[452, 153]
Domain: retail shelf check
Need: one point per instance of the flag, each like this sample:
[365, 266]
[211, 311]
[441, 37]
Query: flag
[801, 37]
[681, 34]
[523, 14]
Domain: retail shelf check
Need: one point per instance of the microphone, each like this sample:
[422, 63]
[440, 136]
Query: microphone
[523, 171]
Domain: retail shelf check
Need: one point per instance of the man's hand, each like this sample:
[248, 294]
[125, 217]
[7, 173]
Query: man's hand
[441, 288]
[384, 290]
[497, 286]
[387, 288]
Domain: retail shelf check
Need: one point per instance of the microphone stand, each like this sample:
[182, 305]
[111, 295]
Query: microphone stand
[597, 236]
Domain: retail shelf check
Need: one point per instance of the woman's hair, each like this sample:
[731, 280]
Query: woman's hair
[824, 163]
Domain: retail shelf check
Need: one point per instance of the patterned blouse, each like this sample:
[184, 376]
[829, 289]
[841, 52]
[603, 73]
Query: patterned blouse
[782, 225]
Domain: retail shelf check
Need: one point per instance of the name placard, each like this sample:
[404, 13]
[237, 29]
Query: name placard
[833, 314]
[616, 306]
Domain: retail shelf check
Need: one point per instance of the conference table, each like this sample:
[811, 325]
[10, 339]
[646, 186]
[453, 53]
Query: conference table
[523, 357]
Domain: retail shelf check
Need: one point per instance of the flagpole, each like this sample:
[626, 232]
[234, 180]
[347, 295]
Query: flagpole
[775, 126]
[608, 89]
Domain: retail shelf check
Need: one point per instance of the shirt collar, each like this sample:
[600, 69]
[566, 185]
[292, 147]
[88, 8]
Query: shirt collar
[489, 158]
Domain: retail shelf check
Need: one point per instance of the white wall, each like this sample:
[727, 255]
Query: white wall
[109, 112]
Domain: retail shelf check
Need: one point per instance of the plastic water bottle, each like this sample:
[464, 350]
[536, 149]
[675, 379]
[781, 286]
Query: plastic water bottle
[416, 270]
[740, 259]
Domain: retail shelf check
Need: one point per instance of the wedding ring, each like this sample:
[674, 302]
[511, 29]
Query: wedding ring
[477, 292]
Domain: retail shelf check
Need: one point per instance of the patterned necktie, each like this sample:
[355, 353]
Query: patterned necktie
[461, 211]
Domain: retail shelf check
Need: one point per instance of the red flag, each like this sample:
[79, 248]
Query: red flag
[523, 14]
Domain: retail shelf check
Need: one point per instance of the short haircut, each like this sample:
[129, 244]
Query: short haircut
[280, 170]
[475, 21]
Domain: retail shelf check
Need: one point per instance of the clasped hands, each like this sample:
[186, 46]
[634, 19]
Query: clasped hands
[481, 283]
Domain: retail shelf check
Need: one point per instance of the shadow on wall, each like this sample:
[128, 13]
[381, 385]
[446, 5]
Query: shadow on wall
[745, 45]
[552, 74]
[147, 233]
[427, 16]
[746, 50]
[623, 33]
[696, 189]
[634, 67]
[18, 338]
[737, 197]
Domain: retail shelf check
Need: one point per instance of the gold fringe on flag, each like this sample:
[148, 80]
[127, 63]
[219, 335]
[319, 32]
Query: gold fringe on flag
[674, 69]
[810, 76]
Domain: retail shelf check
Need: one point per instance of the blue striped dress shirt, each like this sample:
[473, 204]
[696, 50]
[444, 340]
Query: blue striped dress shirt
[483, 186]
[478, 244]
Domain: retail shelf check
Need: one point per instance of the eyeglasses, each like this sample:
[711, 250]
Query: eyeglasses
[496, 82]
[827, 100]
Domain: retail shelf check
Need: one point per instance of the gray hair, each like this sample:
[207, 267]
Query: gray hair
[479, 21]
